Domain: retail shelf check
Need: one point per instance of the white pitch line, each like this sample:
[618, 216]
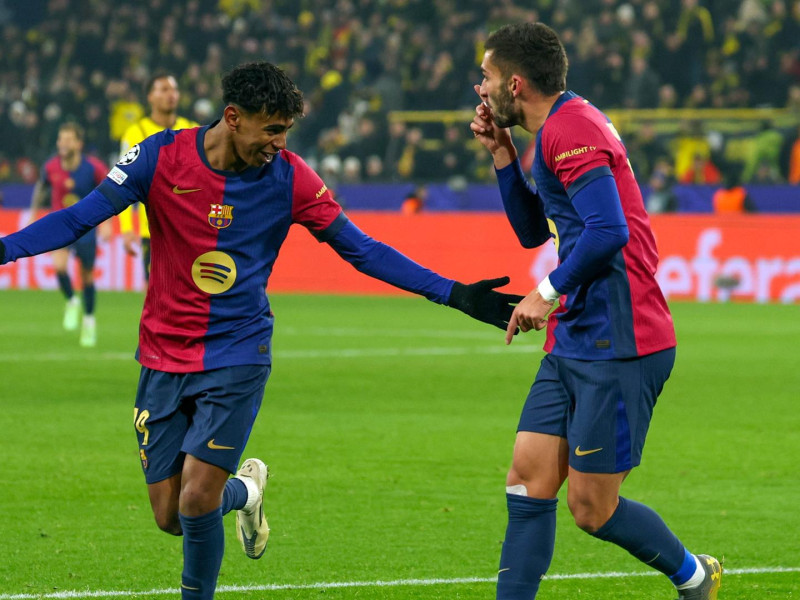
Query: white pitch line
[295, 354]
[362, 584]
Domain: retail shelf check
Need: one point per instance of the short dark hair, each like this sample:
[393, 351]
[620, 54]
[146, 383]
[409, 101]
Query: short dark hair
[74, 128]
[534, 51]
[155, 77]
[261, 87]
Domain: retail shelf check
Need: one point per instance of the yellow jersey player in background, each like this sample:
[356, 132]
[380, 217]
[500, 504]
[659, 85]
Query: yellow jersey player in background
[162, 97]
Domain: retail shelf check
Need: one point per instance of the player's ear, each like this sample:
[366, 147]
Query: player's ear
[232, 117]
[516, 85]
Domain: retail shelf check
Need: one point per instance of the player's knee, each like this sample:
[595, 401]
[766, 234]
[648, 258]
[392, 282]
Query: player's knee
[196, 500]
[538, 484]
[588, 515]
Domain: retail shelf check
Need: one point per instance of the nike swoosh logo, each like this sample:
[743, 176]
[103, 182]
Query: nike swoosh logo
[186, 587]
[178, 190]
[504, 570]
[214, 446]
[579, 452]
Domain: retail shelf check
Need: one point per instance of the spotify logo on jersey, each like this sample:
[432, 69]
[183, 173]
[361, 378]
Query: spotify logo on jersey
[214, 272]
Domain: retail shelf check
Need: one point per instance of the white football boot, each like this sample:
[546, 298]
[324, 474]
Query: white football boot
[251, 524]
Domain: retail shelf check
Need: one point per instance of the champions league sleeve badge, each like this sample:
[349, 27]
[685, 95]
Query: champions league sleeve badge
[130, 156]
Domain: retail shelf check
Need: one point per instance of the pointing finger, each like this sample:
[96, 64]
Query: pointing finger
[511, 329]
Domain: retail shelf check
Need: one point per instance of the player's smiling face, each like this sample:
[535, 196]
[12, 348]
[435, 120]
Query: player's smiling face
[496, 93]
[258, 138]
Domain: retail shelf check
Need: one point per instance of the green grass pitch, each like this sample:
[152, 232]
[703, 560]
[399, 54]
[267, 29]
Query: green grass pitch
[388, 425]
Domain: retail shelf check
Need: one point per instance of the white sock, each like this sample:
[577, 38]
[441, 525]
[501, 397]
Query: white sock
[88, 320]
[696, 579]
[517, 490]
[252, 493]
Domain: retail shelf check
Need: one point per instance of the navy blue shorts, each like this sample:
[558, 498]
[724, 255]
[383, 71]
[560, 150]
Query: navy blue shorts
[603, 408]
[85, 248]
[208, 414]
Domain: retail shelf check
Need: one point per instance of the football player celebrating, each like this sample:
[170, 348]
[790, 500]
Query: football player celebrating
[220, 200]
[610, 343]
[68, 176]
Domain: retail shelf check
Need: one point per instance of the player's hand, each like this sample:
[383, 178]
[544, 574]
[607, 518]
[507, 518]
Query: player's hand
[480, 301]
[530, 313]
[131, 243]
[483, 128]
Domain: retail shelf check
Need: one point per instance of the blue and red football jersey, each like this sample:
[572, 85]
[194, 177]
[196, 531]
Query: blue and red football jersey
[622, 312]
[214, 239]
[67, 187]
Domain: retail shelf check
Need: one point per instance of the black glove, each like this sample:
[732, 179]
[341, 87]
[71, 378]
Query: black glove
[481, 302]
[2, 252]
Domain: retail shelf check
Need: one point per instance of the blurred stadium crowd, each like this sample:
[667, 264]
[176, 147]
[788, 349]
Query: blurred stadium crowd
[360, 61]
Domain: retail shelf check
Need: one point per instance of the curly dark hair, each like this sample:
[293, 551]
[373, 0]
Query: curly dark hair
[534, 51]
[261, 87]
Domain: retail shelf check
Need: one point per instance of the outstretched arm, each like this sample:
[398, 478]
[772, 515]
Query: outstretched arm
[378, 260]
[58, 229]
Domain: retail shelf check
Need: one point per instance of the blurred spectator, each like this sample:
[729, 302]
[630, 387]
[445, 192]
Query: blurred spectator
[414, 201]
[690, 144]
[641, 89]
[368, 138]
[763, 159]
[331, 170]
[732, 197]
[90, 59]
[394, 149]
[667, 96]
[456, 158]
[661, 198]
[351, 170]
[702, 171]
[695, 33]
[644, 149]
[765, 175]
[373, 169]
[698, 97]
[408, 162]
[791, 157]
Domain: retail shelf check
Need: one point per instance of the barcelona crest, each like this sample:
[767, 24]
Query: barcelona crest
[220, 216]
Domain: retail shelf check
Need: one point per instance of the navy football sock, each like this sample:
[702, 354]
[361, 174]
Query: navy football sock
[639, 530]
[234, 496]
[88, 299]
[528, 547]
[65, 285]
[203, 546]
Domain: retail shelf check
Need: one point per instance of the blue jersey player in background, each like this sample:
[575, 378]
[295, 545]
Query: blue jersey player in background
[220, 200]
[610, 343]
